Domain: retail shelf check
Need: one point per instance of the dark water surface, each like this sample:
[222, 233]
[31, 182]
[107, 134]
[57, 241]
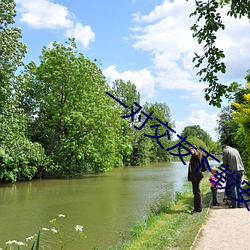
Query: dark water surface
[104, 204]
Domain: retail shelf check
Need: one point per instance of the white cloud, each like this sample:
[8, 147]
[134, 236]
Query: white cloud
[165, 33]
[159, 12]
[83, 34]
[200, 117]
[44, 14]
[234, 41]
[143, 80]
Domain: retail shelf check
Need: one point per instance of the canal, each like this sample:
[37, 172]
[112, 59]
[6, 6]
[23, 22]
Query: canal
[105, 204]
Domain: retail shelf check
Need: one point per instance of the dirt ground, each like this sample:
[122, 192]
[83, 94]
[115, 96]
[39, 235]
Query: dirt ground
[225, 228]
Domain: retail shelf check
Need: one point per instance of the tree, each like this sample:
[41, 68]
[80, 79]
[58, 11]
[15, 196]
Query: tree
[72, 117]
[127, 93]
[198, 132]
[227, 127]
[241, 115]
[144, 148]
[19, 157]
[12, 50]
[160, 111]
[198, 142]
[208, 23]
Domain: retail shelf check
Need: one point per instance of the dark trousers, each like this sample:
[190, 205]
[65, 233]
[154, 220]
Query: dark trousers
[197, 196]
[237, 199]
[214, 196]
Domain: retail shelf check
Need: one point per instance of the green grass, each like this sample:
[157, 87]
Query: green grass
[170, 226]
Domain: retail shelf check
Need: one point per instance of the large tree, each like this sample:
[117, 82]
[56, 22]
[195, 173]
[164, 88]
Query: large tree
[241, 116]
[211, 63]
[72, 116]
[19, 157]
[12, 51]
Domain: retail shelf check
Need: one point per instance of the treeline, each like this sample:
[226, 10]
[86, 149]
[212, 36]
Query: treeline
[56, 118]
[234, 121]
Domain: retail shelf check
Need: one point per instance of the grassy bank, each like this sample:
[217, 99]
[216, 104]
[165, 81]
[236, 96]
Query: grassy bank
[170, 227]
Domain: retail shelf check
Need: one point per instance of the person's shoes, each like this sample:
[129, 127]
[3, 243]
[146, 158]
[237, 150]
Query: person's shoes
[231, 206]
[217, 204]
[240, 206]
[194, 212]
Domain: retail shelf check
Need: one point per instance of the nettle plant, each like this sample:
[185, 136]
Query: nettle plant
[50, 237]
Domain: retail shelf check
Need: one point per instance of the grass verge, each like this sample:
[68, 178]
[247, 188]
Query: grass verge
[170, 227]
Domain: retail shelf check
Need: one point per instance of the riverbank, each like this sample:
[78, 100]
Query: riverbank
[170, 227]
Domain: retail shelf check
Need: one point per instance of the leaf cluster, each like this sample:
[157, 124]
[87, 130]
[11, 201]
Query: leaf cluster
[210, 63]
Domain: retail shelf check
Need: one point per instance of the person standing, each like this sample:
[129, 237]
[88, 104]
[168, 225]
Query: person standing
[195, 177]
[214, 185]
[231, 157]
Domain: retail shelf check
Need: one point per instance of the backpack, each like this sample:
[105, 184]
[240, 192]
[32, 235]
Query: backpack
[204, 166]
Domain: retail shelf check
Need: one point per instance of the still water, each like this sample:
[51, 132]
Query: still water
[104, 204]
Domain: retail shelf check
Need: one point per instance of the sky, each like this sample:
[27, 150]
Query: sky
[147, 42]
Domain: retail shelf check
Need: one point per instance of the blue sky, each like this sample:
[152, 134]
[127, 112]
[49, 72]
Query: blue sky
[148, 42]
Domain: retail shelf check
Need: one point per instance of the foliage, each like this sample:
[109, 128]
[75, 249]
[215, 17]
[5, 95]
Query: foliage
[198, 142]
[71, 116]
[127, 93]
[139, 129]
[233, 127]
[12, 50]
[20, 158]
[56, 118]
[215, 147]
[242, 116]
[205, 28]
[227, 127]
[197, 131]
[160, 111]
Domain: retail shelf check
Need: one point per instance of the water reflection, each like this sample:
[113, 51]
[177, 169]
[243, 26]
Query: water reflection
[105, 204]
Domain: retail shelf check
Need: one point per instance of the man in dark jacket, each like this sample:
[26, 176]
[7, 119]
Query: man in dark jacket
[195, 177]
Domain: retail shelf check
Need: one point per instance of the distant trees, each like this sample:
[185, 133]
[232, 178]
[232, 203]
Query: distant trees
[57, 120]
[227, 127]
[157, 129]
[198, 132]
[144, 148]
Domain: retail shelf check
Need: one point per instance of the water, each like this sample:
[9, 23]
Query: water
[104, 204]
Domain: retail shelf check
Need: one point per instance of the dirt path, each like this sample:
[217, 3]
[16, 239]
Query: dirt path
[225, 228]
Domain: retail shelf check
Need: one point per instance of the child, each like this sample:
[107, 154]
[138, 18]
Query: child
[214, 186]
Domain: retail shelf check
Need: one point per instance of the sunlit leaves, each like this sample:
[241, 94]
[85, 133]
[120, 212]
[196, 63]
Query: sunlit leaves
[74, 118]
[21, 158]
[211, 63]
